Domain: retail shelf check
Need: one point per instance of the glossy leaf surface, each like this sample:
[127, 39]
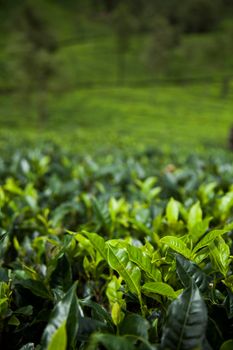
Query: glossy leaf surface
[186, 321]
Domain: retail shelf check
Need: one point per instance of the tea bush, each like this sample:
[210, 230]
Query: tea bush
[117, 252]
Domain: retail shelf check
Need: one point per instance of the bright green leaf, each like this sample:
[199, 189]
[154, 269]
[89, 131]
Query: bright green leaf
[118, 260]
[172, 211]
[195, 215]
[144, 261]
[177, 245]
[59, 339]
[98, 243]
[208, 238]
[161, 288]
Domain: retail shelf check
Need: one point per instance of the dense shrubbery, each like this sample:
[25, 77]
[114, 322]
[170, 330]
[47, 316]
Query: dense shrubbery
[200, 15]
[118, 253]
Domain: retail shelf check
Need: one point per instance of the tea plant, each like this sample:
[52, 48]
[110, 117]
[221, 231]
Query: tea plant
[122, 252]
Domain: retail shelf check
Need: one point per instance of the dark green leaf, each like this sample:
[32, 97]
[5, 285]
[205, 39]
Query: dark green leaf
[186, 321]
[61, 277]
[25, 310]
[110, 342]
[99, 312]
[187, 269]
[88, 325]
[36, 287]
[29, 346]
[134, 324]
[102, 214]
[228, 304]
[60, 315]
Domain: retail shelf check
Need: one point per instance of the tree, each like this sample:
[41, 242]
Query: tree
[230, 140]
[110, 5]
[199, 15]
[34, 48]
[219, 55]
[123, 24]
[163, 38]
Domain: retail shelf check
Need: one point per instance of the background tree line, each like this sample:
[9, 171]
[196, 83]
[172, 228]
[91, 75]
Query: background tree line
[33, 42]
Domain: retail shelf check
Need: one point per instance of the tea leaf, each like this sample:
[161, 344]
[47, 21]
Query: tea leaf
[186, 270]
[118, 260]
[186, 321]
[159, 288]
[177, 244]
[143, 260]
[59, 339]
[172, 211]
[208, 238]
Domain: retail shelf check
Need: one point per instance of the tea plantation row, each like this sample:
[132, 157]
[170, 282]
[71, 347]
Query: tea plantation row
[117, 253]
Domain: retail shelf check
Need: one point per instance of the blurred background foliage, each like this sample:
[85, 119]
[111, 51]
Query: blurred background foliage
[101, 72]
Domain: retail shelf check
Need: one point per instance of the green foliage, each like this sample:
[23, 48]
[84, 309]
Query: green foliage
[140, 258]
[118, 260]
[187, 270]
[200, 15]
[33, 46]
[176, 244]
[172, 211]
[64, 311]
[86, 57]
[163, 39]
[186, 321]
[159, 288]
[227, 345]
[58, 339]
